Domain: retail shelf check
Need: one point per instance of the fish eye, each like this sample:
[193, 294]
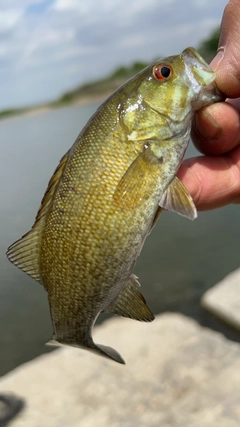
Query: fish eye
[162, 72]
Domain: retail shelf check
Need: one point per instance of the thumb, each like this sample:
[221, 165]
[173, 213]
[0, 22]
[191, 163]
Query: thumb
[226, 63]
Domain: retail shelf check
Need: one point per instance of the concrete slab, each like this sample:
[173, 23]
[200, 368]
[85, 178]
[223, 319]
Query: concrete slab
[223, 300]
[177, 374]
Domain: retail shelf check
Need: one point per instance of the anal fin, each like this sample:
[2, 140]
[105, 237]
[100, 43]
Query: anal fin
[131, 303]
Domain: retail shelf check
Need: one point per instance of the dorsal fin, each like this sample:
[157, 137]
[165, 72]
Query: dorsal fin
[25, 252]
[51, 189]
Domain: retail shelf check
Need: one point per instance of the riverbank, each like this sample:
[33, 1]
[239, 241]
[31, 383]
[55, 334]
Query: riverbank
[39, 110]
[88, 93]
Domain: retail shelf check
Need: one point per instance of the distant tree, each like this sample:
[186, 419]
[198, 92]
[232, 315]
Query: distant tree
[123, 72]
[138, 66]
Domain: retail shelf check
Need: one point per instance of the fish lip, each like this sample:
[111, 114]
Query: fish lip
[195, 58]
[198, 73]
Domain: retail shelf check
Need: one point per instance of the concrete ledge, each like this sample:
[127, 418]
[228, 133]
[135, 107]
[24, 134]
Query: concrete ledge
[177, 374]
[223, 300]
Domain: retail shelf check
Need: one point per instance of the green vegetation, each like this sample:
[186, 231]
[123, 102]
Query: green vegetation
[209, 46]
[127, 72]
[100, 87]
[11, 112]
[103, 87]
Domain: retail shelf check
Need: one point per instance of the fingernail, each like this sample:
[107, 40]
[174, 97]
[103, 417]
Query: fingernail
[218, 58]
[207, 127]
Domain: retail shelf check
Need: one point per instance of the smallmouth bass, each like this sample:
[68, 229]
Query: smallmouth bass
[106, 195]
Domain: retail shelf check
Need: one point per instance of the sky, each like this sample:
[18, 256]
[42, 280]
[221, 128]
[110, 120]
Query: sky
[50, 46]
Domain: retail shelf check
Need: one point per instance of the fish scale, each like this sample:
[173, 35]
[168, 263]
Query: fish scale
[107, 194]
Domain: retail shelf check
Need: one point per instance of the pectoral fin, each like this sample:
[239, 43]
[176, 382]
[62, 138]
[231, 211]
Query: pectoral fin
[131, 303]
[137, 183]
[177, 199]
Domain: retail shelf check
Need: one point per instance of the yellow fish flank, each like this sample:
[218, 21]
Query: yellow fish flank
[106, 195]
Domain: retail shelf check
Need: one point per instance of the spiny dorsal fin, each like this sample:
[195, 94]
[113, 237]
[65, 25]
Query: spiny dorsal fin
[131, 303]
[51, 189]
[177, 199]
[25, 252]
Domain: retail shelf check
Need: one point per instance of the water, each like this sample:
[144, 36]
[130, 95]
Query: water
[180, 260]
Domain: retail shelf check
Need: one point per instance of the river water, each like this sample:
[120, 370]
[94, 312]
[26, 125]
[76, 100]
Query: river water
[180, 260]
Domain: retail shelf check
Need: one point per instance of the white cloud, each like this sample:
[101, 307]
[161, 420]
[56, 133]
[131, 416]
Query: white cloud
[107, 6]
[201, 4]
[71, 5]
[9, 18]
[3, 51]
[19, 4]
[63, 5]
[48, 46]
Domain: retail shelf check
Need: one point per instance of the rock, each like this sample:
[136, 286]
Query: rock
[177, 374]
[10, 406]
[223, 300]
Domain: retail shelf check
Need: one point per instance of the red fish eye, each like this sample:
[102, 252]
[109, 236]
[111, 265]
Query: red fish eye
[162, 72]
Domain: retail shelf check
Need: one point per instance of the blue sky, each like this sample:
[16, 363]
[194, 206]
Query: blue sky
[50, 46]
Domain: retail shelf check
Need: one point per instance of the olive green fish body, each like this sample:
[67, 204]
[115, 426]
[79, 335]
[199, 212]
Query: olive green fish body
[97, 240]
[106, 195]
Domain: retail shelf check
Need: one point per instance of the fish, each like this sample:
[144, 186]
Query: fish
[107, 194]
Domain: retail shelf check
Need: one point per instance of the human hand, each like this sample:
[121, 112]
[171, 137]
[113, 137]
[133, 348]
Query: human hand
[213, 180]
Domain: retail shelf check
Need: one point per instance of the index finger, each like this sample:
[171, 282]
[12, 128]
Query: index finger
[226, 63]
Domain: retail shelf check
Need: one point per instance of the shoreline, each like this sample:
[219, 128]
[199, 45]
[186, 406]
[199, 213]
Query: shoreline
[34, 111]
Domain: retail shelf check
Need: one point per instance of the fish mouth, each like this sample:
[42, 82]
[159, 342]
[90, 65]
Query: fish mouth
[192, 56]
[201, 74]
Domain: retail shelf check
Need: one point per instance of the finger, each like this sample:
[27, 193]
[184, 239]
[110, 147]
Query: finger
[226, 63]
[216, 129]
[212, 181]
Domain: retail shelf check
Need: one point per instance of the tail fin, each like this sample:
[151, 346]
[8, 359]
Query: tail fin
[101, 350]
[109, 352]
